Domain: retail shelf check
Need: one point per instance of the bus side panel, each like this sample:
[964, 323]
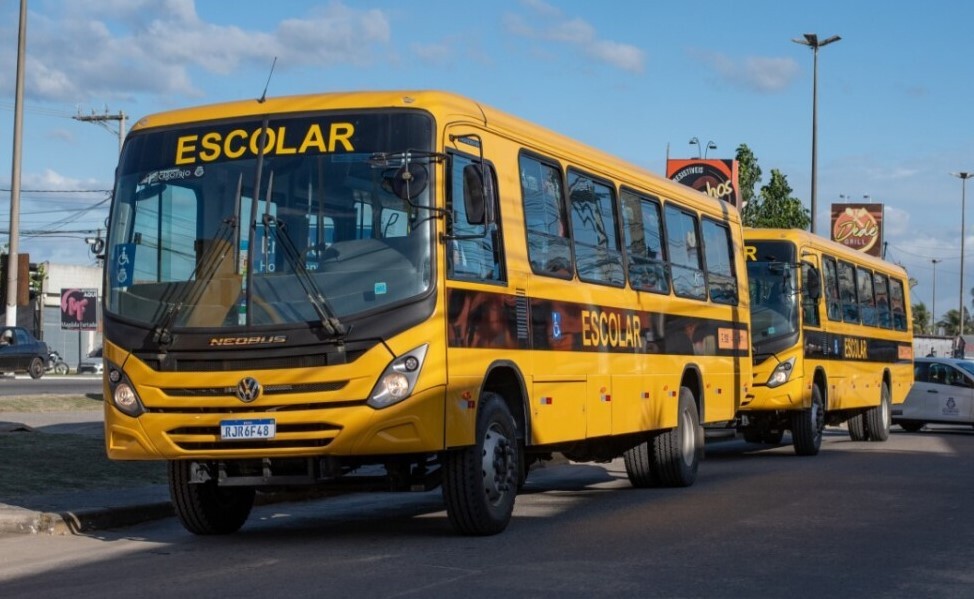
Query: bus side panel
[557, 410]
[599, 406]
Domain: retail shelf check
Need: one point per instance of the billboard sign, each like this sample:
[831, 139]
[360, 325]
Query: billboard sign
[859, 226]
[716, 178]
[78, 309]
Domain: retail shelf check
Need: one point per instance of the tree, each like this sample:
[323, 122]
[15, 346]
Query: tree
[748, 177]
[777, 208]
[921, 318]
[951, 322]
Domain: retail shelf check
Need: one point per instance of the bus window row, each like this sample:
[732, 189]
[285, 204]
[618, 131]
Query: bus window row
[578, 224]
[855, 294]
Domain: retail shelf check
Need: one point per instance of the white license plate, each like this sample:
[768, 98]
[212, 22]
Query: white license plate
[246, 430]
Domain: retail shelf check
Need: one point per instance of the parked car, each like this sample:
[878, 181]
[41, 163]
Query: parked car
[942, 393]
[20, 351]
[93, 366]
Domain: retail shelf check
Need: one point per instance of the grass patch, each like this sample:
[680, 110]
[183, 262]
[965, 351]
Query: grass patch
[38, 463]
[52, 403]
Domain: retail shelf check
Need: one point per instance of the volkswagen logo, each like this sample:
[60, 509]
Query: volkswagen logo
[248, 389]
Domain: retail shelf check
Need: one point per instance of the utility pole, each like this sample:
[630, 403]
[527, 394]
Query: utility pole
[101, 119]
[14, 244]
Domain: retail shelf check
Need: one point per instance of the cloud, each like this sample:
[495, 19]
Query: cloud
[574, 32]
[113, 49]
[754, 72]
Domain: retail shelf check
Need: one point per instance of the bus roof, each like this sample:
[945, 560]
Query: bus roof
[449, 108]
[804, 238]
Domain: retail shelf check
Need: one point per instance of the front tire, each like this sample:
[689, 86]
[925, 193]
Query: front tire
[672, 458]
[807, 426]
[36, 368]
[205, 508]
[480, 482]
[61, 368]
[878, 419]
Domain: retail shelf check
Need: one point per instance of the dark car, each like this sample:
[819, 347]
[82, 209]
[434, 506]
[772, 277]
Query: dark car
[21, 352]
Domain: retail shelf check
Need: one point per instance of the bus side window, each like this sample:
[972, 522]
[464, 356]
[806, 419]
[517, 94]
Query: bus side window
[896, 305]
[642, 228]
[683, 250]
[847, 292]
[881, 284]
[831, 290]
[478, 253]
[810, 282]
[549, 251]
[867, 303]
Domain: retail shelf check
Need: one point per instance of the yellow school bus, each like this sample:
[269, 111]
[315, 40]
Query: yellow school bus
[400, 290]
[832, 339]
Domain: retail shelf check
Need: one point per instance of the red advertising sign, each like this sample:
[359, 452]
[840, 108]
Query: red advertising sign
[716, 178]
[859, 226]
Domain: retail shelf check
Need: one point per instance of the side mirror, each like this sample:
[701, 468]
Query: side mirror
[813, 284]
[410, 180]
[474, 194]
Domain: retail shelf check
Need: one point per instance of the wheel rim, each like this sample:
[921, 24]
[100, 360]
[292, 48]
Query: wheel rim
[688, 439]
[886, 412]
[498, 464]
[817, 416]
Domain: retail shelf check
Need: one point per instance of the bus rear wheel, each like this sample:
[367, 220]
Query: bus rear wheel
[807, 426]
[669, 459]
[857, 427]
[480, 482]
[877, 419]
[205, 508]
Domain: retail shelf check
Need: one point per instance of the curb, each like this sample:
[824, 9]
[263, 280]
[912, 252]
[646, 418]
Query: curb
[25, 521]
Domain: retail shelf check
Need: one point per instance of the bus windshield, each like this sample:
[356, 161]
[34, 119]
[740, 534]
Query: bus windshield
[284, 221]
[773, 279]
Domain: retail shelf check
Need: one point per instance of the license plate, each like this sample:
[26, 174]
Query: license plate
[246, 430]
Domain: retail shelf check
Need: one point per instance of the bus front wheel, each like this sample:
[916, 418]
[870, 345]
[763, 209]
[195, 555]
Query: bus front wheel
[205, 508]
[480, 482]
[807, 426]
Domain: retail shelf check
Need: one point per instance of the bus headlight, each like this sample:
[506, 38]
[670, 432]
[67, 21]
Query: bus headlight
[781, 373]
[398, 379]
[123, 395]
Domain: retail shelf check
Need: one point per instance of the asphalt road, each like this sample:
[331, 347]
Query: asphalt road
[887, 519]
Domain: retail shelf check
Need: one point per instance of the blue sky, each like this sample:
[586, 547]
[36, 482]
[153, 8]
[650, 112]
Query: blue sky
[637, 79]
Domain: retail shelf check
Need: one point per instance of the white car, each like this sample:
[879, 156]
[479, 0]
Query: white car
[942, 393]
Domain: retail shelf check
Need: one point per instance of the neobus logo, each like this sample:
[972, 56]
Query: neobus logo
[259, 340]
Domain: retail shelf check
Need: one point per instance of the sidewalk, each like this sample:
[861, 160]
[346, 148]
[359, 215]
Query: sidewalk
[62, 513]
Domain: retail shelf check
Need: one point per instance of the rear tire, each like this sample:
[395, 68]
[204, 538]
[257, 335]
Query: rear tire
[480, 482]
[36, 368]
[877, 420]
[807, 426]
[672, 458]
[205, 508]
[857, 428]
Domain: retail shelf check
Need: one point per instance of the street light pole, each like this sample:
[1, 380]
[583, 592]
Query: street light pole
[811, 40]
[964, 176]
[933, 316]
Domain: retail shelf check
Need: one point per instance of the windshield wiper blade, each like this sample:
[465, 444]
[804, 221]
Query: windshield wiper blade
[201, 276]
[326, 314]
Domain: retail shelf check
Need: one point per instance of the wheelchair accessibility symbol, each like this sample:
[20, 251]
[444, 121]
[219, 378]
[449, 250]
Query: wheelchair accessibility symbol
[122, 265]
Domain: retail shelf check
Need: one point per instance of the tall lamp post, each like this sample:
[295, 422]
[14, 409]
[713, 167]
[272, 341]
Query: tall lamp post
[811, 40]
[933, 316]
[964, 176]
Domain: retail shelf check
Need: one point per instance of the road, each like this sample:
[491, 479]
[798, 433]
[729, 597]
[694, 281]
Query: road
[890, 519]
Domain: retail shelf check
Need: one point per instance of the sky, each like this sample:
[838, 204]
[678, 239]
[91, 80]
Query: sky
[638, 79]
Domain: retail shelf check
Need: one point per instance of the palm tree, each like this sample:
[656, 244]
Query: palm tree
[951, 323]
[922, 319]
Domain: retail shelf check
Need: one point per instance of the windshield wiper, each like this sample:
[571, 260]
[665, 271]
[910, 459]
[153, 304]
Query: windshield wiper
[201, 276]
[326, 314]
